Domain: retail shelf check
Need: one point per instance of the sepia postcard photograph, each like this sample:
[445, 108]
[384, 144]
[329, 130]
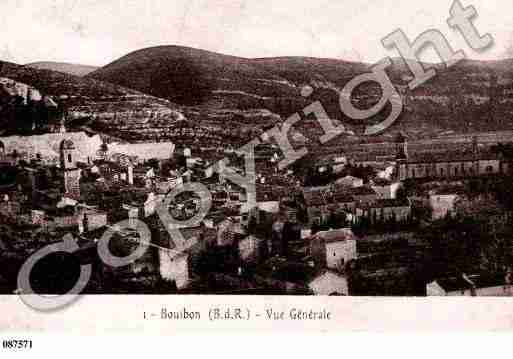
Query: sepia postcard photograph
[235, 165]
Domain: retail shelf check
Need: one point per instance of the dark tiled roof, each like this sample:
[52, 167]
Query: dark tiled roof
[267, 193]
[381, 182]
[454, 284]
[340, 197]
[488, 280]
[451, 156]
[361, 191]
[322, 197]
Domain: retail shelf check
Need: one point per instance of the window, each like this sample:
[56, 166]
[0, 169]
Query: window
[69, 157]
[489, 169]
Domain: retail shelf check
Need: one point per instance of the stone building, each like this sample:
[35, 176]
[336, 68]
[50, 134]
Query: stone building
[472, 285]
[385, 189]
[452, 164]
[442, 204]
[323, 202]
[329, 283]
[383, 210]
[333, 249]
[70, 170]
[250, 248]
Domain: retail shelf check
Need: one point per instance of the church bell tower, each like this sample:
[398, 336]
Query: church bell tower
[70, 169]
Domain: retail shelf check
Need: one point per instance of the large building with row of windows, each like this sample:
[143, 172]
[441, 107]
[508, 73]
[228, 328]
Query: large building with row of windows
[468, 161]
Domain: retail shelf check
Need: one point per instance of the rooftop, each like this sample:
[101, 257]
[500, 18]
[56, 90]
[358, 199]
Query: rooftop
[464, 155]
[387, 203]
[453, 284]
[336, 235]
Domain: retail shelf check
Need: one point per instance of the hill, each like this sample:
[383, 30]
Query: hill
[67, 68]
[471, 96]
[119, 112]
[86, 101]
[189, 76]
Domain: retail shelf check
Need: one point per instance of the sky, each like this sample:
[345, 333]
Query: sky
[97, 32]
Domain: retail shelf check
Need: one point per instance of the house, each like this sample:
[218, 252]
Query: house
[349, 181]
[166, 185]
[268, 199]
[317, 201]
[363, 194]
[321, 202]
[329, 283]
[113, 172]
[175, 268]
[250, 248]
[272, 207]
[335, 163]
[178, 263]
[385, 189]
[289, 210]
[467, 161]
[144, 175]
[48, 146]
[442, 204]
[474, 285]
[132, 213]
[65, 218]
[91, 218]
[6, 160]
[383, 210]
[145, 151]
[152, 202]
[38, 217]
[219, 198]
[126, 167]
[333, 249]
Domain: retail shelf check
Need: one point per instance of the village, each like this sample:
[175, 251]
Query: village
[411, 222]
